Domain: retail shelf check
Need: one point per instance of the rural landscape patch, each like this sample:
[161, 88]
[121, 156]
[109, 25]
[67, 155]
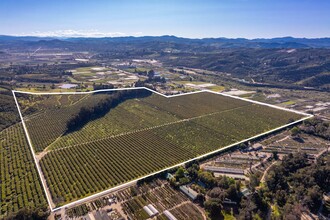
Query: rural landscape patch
[137, 134]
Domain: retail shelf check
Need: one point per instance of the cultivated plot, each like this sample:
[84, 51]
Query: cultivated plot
[19, 181]
[88, 142]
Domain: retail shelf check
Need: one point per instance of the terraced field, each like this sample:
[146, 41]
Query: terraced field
[140, 136]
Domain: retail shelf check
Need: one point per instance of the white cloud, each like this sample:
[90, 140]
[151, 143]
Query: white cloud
[74, 33]
[137, 34]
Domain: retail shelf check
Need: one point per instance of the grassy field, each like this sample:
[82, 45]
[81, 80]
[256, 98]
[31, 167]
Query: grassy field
[215, 88]
[138, 137]
[289, 103]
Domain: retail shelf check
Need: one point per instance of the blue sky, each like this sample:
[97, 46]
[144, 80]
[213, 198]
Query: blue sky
[194, 19]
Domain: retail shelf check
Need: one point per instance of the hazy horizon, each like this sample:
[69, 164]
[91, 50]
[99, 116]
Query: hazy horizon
[220, 37]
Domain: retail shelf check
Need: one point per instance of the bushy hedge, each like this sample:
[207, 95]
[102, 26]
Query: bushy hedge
[102, 107]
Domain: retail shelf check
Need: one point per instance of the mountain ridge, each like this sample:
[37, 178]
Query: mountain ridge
[278, 42]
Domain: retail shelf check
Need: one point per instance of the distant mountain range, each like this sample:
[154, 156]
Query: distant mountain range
[283, 42]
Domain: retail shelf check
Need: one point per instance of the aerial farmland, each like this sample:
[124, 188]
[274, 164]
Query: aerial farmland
[86, 143]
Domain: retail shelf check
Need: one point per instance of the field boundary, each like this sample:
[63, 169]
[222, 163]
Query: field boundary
[96, 195]
[166, 96]
[43, 181]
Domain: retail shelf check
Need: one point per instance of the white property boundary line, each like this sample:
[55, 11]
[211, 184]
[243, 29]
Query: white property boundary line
[32, 151]
[44, 184]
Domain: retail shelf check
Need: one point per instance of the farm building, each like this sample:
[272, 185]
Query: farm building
[169, 176]
[192, 194]
[229, 202]
[151, 210]
[255, 147]
[169, 215]
[224, 170]
[246, 192]
[244, 157]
